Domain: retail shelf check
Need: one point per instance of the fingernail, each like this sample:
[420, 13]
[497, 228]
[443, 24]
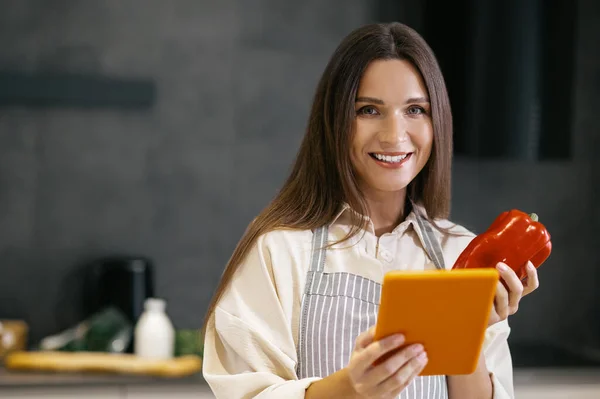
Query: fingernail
[418, 348]
[399, 339]
[502, 267]
[422, 357]
[530, 266]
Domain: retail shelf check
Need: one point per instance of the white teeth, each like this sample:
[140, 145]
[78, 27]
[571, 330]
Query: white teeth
[390, 159]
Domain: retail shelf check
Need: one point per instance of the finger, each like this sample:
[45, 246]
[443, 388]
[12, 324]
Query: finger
[375, 350]
[501, 301]
[405, 375]
[388, 368]
[494, 317]
[533, 281]
[365, 339]
[414, 375]
[514, 285]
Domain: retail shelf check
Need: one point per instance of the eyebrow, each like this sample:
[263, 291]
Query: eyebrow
[381, 102]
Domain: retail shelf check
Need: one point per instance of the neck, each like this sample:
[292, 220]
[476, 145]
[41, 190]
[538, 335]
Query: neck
[386, 210]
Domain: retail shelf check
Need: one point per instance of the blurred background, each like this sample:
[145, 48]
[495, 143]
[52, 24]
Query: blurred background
[156, 130]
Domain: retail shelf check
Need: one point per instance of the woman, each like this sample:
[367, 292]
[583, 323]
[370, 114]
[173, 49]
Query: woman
[369, 193]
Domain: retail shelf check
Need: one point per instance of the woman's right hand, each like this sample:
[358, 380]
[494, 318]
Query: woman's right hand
[390, 377]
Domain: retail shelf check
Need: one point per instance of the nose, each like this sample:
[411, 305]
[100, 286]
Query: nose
[394, 131]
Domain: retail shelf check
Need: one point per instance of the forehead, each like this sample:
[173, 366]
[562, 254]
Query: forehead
[392, 81]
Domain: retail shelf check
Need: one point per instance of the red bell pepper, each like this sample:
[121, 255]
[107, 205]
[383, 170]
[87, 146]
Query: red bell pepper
[513, 238]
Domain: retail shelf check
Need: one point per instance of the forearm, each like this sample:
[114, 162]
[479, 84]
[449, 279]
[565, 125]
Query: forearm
[477, 385]
[337, 385]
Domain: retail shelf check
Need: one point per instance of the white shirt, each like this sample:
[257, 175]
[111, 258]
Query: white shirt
[252, 337]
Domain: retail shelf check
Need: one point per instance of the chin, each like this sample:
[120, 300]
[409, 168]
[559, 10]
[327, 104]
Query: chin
[391, 187]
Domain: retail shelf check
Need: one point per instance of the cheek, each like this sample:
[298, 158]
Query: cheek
[428, 143]
[424, 144]
[425, 139]
[357, 143]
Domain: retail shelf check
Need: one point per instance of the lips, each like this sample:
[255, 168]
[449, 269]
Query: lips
[390, 158]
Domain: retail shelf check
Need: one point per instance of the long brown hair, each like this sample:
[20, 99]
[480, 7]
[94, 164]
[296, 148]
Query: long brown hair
[322, 177]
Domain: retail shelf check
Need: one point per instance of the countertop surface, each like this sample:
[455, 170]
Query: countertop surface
[557, 376]
[533, 364]
[30, 379]
[522, 376]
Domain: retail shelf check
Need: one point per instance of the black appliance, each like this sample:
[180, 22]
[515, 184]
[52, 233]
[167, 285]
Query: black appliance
[124, 282]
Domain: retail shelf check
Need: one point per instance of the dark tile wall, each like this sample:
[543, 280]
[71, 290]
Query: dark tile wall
[178, 183]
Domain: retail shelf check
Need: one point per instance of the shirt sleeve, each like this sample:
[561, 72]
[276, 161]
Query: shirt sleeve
[249, 346]
[498, 360]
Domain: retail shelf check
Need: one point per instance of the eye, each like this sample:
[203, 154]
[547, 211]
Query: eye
[368, 110]
[415, 110]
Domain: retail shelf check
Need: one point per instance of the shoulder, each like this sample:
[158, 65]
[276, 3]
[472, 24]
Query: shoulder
[454, 239]
[285, 241]
[453, 230]
[284, 254]
[275, 263]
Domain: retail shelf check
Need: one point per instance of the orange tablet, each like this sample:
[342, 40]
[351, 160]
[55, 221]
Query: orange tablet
[445, 310]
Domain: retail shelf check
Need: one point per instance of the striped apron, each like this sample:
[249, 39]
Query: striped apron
[337, 307]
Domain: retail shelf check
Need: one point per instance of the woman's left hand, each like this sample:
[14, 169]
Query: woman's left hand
[507, 301]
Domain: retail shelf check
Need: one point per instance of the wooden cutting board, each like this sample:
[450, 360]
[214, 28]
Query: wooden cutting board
[102, 362]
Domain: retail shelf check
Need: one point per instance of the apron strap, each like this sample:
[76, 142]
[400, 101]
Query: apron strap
[319, 241]
[431, 243]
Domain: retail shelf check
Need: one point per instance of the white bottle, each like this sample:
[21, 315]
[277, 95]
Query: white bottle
[154, 336]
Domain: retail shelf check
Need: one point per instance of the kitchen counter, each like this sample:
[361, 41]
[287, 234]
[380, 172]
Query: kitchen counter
[557, 383]
[522, 376]
[32, 379]
[546, 376]
[530, 383]
[557, 376]
[33, 385]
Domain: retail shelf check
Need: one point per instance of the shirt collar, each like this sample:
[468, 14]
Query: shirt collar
[344, 217]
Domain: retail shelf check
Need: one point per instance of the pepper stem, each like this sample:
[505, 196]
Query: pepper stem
[533, 217]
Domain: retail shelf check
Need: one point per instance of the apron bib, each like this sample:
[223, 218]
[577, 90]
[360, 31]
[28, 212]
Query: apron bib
[337, 307]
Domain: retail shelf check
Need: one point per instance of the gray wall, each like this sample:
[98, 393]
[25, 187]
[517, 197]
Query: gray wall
[179, 183]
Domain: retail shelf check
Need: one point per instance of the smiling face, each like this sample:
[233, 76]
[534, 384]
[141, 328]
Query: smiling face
[393, 132]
